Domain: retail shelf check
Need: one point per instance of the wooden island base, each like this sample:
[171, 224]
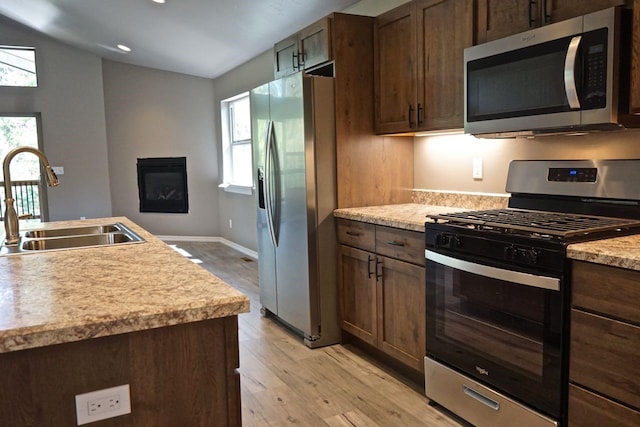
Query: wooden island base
[183, 375]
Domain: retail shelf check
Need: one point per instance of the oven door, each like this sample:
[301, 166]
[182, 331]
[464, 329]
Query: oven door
[502, 327]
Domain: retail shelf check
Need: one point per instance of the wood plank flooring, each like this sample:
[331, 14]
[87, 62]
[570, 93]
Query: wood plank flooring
[285, 383]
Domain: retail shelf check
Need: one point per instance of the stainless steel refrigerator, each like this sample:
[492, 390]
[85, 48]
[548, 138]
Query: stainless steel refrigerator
[293, 135]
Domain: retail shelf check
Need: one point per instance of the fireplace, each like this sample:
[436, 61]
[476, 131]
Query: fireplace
[162, 185]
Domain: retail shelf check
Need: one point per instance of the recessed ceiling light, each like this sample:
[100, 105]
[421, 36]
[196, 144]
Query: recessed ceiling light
[124, 48]
[159, 1]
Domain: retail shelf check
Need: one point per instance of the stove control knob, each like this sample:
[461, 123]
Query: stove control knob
[450, 241]
[528, 256]
[509, 253]
[442, 240]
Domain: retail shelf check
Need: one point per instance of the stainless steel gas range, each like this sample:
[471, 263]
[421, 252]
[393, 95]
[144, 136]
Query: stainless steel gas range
[498, 288]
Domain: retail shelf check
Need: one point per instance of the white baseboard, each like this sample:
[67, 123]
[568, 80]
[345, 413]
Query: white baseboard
[239, 248]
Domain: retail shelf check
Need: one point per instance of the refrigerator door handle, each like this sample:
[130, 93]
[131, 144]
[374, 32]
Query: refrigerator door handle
[267, 180]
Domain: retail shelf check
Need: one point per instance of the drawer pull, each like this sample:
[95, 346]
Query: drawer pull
[395, 243]
[481, 398]
[353, 233]
[369, 259]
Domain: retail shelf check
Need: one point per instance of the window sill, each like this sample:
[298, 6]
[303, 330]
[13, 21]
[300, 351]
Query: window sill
[239, 189]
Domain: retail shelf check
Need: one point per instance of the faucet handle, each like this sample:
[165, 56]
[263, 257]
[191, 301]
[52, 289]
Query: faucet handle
[26, 216]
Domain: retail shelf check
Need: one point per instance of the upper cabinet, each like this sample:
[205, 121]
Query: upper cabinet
[395, 70]
[501, 18]
[306, 49]
[634, 106]
[418, 65]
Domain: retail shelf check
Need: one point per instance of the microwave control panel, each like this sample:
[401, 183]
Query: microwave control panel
[594, 79]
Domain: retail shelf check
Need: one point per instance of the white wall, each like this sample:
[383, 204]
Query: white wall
[69, 96]
[239, 208]
[445, 162]
[152, 113]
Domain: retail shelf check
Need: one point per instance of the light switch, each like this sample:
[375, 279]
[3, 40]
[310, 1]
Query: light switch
[59, 170]
[477, 168]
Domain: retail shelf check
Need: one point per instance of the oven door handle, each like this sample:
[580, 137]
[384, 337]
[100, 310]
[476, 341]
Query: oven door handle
[544, 282]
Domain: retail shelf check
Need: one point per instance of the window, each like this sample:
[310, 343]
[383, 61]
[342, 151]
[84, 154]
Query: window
[236, 144]
[18, 130]
[18, 66]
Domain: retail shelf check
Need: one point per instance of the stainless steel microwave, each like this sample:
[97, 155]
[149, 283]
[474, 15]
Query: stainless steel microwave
[563, 77]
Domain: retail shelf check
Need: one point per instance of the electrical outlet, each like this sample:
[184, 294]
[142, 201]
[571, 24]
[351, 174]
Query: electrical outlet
[102, 404]
[477, 168]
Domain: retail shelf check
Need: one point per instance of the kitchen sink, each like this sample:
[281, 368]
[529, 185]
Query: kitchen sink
[53, 239]
[73, 231]
[76, 241]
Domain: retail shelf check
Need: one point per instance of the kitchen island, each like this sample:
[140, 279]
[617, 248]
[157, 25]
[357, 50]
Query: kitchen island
[80, 320]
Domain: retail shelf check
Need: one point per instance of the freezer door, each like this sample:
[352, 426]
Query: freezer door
[288, 109]
[263, 176]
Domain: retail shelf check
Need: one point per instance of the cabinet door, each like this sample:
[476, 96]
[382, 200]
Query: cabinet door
[559, 10]
[357, 283]
[315, 43]
[604, 356]
[445, 29]
[401, 311]
[634, 108]
[285, 57]
[395, 70]
[501, 18]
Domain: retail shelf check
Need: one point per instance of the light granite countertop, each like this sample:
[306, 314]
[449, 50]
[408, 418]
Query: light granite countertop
[61, 296]
[409, 216]
[621, 252]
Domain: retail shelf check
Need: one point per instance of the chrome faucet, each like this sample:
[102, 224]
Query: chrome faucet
[12, 232]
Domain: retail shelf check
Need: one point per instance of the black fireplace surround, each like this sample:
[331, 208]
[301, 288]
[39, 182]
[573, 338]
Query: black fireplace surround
[162, 185]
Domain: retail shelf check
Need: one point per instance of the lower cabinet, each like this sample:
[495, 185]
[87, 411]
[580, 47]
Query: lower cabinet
[604, 365]
[382, 289]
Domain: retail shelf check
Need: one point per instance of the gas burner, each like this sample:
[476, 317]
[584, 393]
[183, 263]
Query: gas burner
[539, 224]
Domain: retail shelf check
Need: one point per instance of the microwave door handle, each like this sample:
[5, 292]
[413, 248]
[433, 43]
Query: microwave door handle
[512, 276]
[570, 72]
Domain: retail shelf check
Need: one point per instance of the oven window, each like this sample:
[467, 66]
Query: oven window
[495, 320]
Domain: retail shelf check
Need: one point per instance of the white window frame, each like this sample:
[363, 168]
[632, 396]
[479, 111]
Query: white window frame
[228, 184]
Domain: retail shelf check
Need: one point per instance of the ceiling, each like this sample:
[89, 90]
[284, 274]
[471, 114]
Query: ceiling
[203, 38]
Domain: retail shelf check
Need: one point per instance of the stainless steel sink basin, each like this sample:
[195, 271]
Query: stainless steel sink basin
[53, 239]
[76, 241]
[73, 231]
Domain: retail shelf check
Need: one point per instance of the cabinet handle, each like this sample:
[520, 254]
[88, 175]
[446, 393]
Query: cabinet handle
[395, 243]
[545, 11]
[378, 268]
[295, 61]
[532, 20]
[353, 233]
[369, 259]
[410, 115]
[420, 114]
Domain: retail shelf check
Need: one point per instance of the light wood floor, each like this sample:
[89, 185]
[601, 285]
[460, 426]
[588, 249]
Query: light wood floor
[285, 383]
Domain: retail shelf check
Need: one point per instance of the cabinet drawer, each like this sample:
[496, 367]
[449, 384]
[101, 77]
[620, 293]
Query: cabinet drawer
[588, 409]
[356, 233]
[605, 357]
[607, 290]
[404, 245]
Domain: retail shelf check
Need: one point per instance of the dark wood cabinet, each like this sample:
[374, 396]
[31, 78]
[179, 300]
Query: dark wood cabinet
[182, 375]
[382, 289]
[395, 70]
[502, 18]
[419, 65]
[604, 368]
[306, 49]
[634, 107]
[445, 29]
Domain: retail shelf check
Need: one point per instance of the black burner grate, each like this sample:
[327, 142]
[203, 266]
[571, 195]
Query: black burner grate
[541, 222]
